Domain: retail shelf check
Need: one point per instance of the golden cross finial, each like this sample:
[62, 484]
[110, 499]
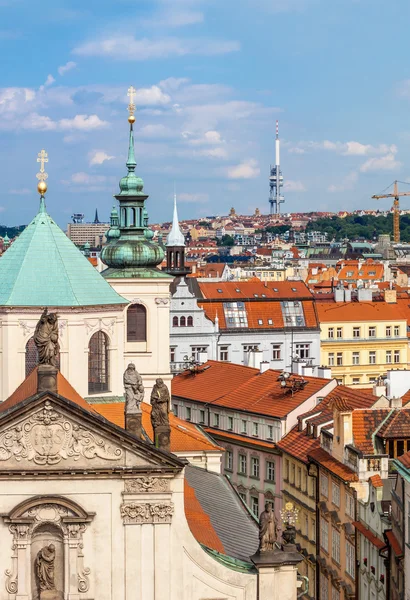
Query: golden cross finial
[131, 106]
[42, 158]
[42, 175]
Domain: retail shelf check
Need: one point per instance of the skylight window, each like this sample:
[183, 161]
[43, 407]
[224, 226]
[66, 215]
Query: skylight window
[219, 291]
[256, 295]
[238, 290]
[260, 321]
[270, 322]
[294, 290]
[275, 290]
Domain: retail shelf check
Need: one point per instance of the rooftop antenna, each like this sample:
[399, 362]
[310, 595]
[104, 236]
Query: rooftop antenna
[276, 179]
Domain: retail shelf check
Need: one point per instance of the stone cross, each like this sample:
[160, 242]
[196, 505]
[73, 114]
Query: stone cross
[42, 158]
[131, 93]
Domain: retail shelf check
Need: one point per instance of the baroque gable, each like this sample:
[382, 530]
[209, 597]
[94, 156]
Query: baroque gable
[48, 434]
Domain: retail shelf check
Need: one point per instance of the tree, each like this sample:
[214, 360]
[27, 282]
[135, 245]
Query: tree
[227, 240]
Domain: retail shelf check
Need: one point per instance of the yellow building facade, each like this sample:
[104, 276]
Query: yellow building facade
[361, 341]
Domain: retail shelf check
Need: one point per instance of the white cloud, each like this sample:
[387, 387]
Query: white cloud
[211, 137]
[157, 131]
[36, 121]
[248, 169]
[82, 178]
[98, 157]
[82, 123]
[127, 47]
[174, 18]
[351, 148]
[347, 183]
[152, 96]
[195, 198]
[21, 192]
[49, 81]
[384, 163]
[213, 152]
[63, 69]
[294, 186]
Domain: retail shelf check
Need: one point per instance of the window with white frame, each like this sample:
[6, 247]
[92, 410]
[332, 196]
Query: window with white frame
[397, 330]
[324, 485]
[339, 332]
[355, 358]
[339, 359]
[242, 496]
[336, 545]
[388, 330]
[335, 493]
[356, 332]
[224, 353]
[324, 534]
[230, 423]
[255, 505]
[269, 434]
[235, 315]
[372, 332]
[302, 350]
[255, 429]
[242, 464]
[201, 417]
[249, 348]
[255, 467]
[372, 357]
[188, 413]
[276, 352]
[172, 354]
[349, 505]
[388, 357]
[331, 359]
[324, 587]
[244, 426]
[331, 332]
[229, 460]
[197, 350]
[216, 420]
[350, 558]
[270, 470]
[397, 356]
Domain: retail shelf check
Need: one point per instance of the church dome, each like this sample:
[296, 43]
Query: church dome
[126, 253]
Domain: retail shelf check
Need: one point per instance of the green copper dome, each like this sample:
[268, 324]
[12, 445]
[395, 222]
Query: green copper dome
[130, 251]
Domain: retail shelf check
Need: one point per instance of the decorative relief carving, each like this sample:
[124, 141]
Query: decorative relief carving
[107, 324]
[11, 574]
[146, 484]
[83, 572]
[47, 437]
[164, 301]
[156, 512]
[27, 328]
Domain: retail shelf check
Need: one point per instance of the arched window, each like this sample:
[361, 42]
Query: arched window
[98, 363]
[175, 321]
[136, 323]
[31, 356]
[190, 322]
[182, 322]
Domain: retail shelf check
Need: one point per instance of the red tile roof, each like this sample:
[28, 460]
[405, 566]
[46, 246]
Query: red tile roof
[364, 424]
[373, 539]
[298, 444]
[394, 543]
[199, 521]
[243, 388]
[334, 466]
[248, 289]
[222, 435]
[397, 425]
[330, 312]
[376, 481]
[185, 437]
[405, 459]
[28, 388]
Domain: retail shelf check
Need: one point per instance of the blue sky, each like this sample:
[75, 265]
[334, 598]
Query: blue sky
[212, 77]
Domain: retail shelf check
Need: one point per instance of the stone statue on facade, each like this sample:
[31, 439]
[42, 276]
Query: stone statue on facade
[133, 389]
[268, 529]
[160, 403]
[46, 339]
[44, 566]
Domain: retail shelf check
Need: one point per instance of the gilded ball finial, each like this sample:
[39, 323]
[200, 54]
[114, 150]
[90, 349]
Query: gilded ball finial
[42, 187]
[131, 119]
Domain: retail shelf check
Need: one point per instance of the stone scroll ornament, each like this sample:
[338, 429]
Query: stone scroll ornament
[48, 436]
[134, 513]
[146, 484]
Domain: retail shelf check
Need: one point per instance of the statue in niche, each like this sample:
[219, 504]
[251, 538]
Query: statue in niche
[44, 565]
[268, 529]
[133, 389]
[160, 402]
[46, 339]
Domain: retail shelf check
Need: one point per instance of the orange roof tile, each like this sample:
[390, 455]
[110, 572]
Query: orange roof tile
[243, 388]
[248, 289]
[222, 435]
[364, 423]
[199, 521]
[373, 539]
[334, 466]
[185, 437]
[330, 312]
[376, 481]
[394, 543]
[298, 444]
[28, 388]
[405, 459]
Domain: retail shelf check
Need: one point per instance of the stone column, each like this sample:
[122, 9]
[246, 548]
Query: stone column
[133, 422]
[162, 437]
[277, 573]
[47, 378]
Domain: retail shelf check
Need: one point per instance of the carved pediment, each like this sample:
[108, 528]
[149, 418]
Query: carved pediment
[50, 435]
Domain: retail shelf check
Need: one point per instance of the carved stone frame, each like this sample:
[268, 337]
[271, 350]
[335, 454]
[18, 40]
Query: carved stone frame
[24, 520]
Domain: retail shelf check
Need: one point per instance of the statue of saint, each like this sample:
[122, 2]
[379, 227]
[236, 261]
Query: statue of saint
[133, 389]
[44, 565]
[46, 339]
[268, 530]
[160, 402]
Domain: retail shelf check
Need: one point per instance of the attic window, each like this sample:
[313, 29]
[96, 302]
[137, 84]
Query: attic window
[294, 290]
[270, 322]
[263, 295]
[260, 321]
[238, 290]
[219, 291]
[256, 295]
[275, 290]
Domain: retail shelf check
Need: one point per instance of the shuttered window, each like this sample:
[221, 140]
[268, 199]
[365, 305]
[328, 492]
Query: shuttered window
[136, 323]
[98, 363]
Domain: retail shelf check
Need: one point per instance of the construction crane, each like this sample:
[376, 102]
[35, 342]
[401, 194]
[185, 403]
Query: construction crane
[396, 207]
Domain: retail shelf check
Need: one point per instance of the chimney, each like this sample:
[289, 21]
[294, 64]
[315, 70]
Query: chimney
[324, 372]
[264, 366]
[364, 295]
[307, 371]
[396, 403]
[339, 294]
[255, 358]
[202, 357]
[348, 295]
[390, 296]
[397, 383]
[379, 390]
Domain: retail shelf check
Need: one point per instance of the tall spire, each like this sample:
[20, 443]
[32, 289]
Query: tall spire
[175, 236]
[131, 162]
[42, 177]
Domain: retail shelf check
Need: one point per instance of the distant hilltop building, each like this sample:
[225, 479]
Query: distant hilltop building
[81, 233]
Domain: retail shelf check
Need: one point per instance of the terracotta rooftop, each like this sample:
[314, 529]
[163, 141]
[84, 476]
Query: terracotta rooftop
[373, 539]
[199, 521]
[298, 444]
[244, 388]
[405, 459]
[394, 543]
[365, 423]
[255, 288]
[397, 425]
[330, 312]
[185, 437]
[376, 481]
[28, 388]
[331, 464]
[247, 439]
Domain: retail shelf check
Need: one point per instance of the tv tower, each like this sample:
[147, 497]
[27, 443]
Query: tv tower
[276, 180]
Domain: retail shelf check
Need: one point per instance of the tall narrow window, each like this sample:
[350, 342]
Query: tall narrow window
[98, 363]
[175, 321]
[190, 322]
[182, 322]
[136, 323]
[31, 356]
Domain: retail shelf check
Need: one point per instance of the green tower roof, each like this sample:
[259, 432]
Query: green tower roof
[44, 268]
